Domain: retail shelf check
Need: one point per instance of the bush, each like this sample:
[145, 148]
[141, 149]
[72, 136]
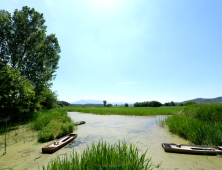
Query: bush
[109, 105]
[50, 99]
[126, 105]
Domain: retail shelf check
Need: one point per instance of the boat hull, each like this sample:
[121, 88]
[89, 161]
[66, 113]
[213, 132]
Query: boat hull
[52, 147]
[80, 123]
[192, 149]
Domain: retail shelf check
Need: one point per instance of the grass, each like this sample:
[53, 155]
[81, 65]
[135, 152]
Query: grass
[211, 113]
[45, 125]
[51, 124]
[103, 156]
[199, 123]
[137, 111]
[22, 133]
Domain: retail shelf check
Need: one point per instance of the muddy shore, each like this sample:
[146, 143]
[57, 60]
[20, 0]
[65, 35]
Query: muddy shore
[23, 152]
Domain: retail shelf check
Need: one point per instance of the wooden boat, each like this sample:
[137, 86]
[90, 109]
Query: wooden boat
[80, 123]
[192, 149]
[59, 143]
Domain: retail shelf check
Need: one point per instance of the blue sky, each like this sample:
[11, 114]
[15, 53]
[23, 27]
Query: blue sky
[134, 50]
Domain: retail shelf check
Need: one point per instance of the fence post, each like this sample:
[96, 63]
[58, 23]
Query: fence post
[5, 135]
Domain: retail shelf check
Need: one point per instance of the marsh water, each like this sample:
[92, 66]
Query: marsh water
[143, 131]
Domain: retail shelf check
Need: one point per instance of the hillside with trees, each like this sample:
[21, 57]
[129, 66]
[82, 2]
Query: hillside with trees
[204, 100]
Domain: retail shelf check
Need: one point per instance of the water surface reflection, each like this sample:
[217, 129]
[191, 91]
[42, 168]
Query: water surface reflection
[142, 131]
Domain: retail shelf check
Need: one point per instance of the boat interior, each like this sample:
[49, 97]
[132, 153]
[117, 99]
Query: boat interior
[192, 147]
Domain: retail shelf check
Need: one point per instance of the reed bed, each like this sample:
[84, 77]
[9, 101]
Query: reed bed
[205, 112]
[137, 111]
[46, 125]
[103, 156]
[200, 123]
[51, 124]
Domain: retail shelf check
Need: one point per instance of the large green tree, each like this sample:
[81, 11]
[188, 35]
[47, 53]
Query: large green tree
[25, 47]
[16, 94]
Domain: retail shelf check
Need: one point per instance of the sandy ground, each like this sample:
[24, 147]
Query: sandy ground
[23, 152]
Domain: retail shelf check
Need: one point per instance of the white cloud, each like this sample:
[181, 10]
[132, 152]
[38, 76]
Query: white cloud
[128, 83]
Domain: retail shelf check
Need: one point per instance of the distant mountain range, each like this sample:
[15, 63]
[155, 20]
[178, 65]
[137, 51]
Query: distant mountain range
[205, 100]
[98, 102]
[197, 100]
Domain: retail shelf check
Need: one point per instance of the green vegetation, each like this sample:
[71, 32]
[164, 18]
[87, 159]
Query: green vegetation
[189, 103]
[148, 104]
[199, 123]
[62, 103]
[51, 124]
[126, 110]
[180, 104]
[169, 104]
[109, 105]
[103, 156]
[126, 105]
[202, 100]
[28, 61]
[104, 103]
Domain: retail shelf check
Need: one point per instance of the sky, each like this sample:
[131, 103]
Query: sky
[134, 50]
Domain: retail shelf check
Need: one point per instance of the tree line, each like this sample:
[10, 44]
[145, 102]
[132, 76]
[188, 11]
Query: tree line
[158, 104]
[28, 62]
[148, 104]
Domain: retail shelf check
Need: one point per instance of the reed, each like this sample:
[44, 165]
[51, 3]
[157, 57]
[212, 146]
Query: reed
[205, 112]
[51, 124]
[137, 111]
[103, 156]
[198, 123]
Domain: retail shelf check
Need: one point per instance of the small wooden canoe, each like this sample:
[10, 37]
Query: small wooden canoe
[59, 143]
[192, 149]
[80, 123]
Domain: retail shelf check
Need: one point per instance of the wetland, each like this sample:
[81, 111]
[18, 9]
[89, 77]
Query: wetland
[145, 132]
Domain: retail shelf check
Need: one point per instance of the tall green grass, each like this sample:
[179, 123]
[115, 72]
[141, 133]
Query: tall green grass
[51, 124]
[199, 123]
[103, 156]
[211, 113]
[45, 116]
[137, 111]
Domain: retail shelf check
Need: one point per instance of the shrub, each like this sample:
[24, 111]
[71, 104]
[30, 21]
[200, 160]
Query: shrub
[109, 105]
